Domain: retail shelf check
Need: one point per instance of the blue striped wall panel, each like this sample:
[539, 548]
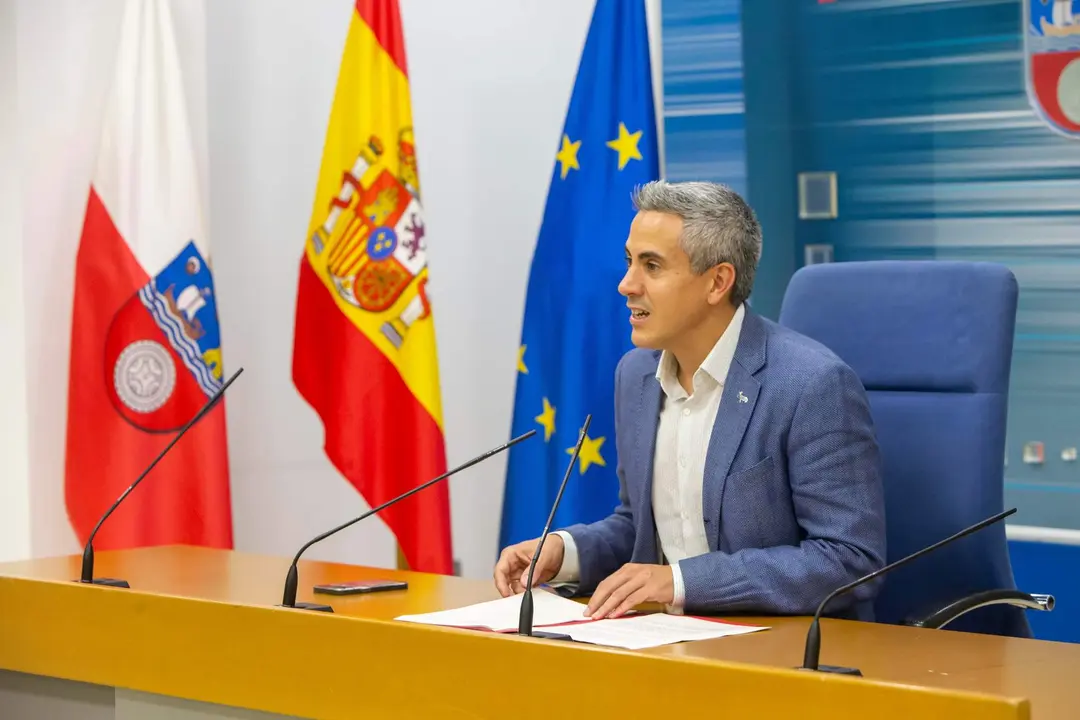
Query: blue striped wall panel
[920, 106]
[704, 127]
[708, 79]
[921, 109]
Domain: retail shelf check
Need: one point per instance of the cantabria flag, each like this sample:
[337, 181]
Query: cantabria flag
[145, 341]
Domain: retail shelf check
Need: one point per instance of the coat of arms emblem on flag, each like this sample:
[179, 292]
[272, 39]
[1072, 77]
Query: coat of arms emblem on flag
[163, 347]
[1052, 62]
[374, 233]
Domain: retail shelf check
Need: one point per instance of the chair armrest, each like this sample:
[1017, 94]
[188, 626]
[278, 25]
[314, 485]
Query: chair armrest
[940, 618]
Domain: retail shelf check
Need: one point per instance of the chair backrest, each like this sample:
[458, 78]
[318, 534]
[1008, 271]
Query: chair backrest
[932, 343]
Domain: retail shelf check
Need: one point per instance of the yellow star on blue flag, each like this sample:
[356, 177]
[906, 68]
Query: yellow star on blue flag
[576, 327]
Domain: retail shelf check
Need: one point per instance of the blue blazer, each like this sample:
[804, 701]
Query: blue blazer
[793, 498]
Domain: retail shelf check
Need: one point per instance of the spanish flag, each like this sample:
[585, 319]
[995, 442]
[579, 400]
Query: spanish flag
[364, 352]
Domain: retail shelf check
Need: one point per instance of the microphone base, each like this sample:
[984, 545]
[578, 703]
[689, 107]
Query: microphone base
[309, 606]
[836, 669]
[110, 582]
[547, 635]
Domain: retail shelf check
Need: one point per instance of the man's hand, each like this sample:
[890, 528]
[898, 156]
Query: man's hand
[631, 585]
[512, 569]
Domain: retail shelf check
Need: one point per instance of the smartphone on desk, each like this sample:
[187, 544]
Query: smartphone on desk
[360, 586]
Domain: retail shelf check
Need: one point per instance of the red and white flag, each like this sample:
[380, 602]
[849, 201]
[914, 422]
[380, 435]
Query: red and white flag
[145, 339]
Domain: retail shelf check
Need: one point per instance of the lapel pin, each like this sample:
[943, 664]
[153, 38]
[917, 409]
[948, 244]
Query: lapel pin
[743, 398]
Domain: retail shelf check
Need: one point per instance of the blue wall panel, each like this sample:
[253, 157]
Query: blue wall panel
[709, 77]
[704, 121]
[922, 110]
[1050, 569]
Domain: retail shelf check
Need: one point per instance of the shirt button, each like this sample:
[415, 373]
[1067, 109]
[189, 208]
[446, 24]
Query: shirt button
[686, 411]
[682, 462]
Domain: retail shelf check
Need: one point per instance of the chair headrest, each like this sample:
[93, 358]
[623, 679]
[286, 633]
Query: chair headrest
[922, 325]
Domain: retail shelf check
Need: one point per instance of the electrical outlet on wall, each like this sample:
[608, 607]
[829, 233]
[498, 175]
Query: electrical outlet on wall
[817, 196]
[1034, 453]
[818, 253]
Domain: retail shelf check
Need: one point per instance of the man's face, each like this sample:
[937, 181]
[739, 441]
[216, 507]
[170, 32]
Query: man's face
[665, 297]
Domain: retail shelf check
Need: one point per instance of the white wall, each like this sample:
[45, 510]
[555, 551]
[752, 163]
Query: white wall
[14, 461]
[490, 79]
[65, 51]
[485, 133]
[493, 128]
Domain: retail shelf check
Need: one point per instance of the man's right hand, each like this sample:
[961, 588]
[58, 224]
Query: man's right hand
[512, 570]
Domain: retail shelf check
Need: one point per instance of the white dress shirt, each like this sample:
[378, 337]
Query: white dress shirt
[682, 443]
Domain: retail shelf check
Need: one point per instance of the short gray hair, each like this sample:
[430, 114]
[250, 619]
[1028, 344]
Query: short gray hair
[718, 227]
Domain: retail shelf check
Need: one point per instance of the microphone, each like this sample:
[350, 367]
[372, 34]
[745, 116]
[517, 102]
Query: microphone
[87, 575]
[288, 599]
[525, 616]
[813, 635]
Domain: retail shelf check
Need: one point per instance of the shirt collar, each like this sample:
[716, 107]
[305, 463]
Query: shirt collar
[714, 367]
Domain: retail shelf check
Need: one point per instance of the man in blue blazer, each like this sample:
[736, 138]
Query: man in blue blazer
[749, 474]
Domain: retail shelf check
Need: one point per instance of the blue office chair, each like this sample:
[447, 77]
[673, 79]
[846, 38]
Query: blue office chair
[932, 343]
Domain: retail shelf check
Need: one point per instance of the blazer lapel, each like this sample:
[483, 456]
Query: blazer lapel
[648, 421]
[732, 418]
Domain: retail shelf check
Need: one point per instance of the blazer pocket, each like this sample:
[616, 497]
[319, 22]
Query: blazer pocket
[749, 505]
[761, 467]
[745, 488]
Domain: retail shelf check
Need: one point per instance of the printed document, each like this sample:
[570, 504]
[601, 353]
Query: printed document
[559, 614]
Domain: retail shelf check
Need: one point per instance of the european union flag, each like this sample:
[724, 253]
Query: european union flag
[576, 323]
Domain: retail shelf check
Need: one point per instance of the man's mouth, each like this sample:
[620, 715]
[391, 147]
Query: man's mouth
[638, 314]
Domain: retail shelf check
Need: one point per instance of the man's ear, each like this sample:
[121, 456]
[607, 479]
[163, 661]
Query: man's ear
[722, 282]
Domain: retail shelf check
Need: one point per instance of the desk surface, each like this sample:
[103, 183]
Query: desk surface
[216, 608]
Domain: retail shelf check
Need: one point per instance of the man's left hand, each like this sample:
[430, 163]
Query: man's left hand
[631, 585]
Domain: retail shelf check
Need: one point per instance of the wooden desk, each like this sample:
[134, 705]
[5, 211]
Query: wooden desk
[201, 625]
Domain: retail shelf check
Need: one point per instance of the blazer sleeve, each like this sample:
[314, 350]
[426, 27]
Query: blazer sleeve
[834, 470]
[606, 545]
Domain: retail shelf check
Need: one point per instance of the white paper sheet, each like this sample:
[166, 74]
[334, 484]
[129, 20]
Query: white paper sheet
[653, 630]
[502, 614]
[632, 632]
